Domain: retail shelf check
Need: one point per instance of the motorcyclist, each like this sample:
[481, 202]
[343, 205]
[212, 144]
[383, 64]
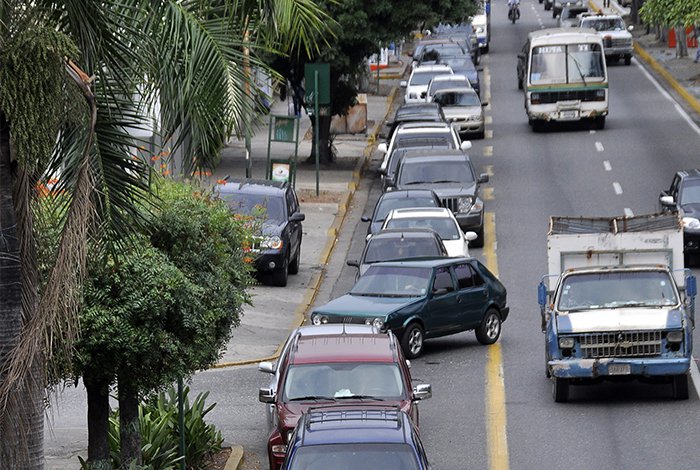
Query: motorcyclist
[511, 3]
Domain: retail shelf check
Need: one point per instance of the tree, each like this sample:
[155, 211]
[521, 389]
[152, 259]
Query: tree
[184, 54]
[359, 29]
[677, 14]
[162, 312]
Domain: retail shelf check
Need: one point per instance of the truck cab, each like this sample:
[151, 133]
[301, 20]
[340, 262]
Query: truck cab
[617, 302]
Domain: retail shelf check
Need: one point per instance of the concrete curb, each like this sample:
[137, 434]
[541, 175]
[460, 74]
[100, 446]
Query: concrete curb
[235, 459]
[678, 88]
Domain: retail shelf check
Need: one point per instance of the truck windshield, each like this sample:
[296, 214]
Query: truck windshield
[589, 291]
[573, 63]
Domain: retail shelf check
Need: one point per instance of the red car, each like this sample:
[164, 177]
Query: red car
[325, 365]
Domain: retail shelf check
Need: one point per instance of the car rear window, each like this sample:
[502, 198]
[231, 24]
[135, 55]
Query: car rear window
[257, 205]
[444, 226]
[422, 172]
[387, 205]
[387, 249]
[350, 456]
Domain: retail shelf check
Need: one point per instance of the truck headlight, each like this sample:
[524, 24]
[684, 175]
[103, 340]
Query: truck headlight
[318, 319]
[674, 336]
[464, 204]
[691, 222]
[566, 342]
[274, 242]
[600, 95]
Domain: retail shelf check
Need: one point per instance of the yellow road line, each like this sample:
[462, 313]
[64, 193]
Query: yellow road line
[488, 151]
[488, 134]
[487, 194]
[496, 438]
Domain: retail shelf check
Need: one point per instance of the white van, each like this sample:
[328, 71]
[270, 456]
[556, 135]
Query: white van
[563, 75]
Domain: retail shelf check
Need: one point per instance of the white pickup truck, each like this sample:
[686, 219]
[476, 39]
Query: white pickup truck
[617, 302]
[617, 39]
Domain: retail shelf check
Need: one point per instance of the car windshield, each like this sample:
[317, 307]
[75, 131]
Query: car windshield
[355, 456]
[590, 291]
[574, 63]
[343, 380]
[456, 98]
[569, 13]
[271, 208]
[424, 172]
[399, 281]
[388, 204]
[444, 226]
[605, 24]
[387, 249]
[690, 192]
[423, 78]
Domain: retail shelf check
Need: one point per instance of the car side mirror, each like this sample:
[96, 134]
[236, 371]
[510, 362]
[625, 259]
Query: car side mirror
[479, 69]
[521, 55]
[382, 171]
[365, 218]
[484, 178]
[382, 147]
[267, 366]
[630, 28]
[469, 236]
[423, 94]
[466, 145]
[389, 183]
[403, 83]
[297, 217]
[422, 392]
[667, 201]
[353, 262]
[266, 395]
[484, 103]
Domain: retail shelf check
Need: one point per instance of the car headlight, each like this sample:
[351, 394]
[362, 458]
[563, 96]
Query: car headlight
[378, 323]
[674, 336]
[464, 204]
[318, 319]
[566, 342]
[474, 117]
[691, 222]
[274, 242]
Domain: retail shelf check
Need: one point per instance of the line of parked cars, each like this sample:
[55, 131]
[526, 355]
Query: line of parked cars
[341, 393]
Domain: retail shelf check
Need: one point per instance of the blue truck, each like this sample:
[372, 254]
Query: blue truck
[617, 302]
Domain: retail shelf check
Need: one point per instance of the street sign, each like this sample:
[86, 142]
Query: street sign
[324, 83]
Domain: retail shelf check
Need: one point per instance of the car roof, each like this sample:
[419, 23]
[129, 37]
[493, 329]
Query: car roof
[402, 233]
[441, 154]
[380, 347]
[252, 186]
[409, 212]
[432, 68]
[457, 89]
[689, 174]
[447, 78]
[423, 262]
[598, 16]
[350, 424]
[408, 193]
[427, 126]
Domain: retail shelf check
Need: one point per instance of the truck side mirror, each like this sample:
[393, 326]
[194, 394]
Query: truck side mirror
[266, 395]
[667, 201]
[542, 295]
[691, 286]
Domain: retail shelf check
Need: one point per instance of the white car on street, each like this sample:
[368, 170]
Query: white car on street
[439, 219]
[417, 83]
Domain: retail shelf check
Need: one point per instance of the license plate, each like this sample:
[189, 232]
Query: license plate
[619, 369]
[568, 115]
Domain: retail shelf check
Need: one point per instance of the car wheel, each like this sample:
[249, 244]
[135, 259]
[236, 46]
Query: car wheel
[478, 242]
[537, 125]
[294, 265]
[560, 390]
[490, 328]
[520, 83]
[279, 275]
[412, 341]
[628, 59]
[600, 122]
[680, 387]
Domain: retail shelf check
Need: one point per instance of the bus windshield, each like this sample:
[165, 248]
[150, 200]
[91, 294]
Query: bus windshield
[573, 63]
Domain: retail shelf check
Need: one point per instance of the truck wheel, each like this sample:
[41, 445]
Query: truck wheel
[680, 387]
[628, 59]
[294, 265]
[279, 275]
[520, 83]
[412, 341]
[600, 122]
[560, 390]
[490, 328]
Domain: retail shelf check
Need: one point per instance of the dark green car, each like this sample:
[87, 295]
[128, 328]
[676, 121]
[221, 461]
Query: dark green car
[423, 299]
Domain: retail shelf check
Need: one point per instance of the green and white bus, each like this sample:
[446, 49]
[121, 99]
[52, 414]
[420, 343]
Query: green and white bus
[563, 75]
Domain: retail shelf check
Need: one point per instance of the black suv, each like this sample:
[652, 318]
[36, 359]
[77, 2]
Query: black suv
[684, 197]
[450, 174]
[277, 248]
[371, 438]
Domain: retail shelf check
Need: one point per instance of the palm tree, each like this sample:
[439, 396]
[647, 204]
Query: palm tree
[186, 55]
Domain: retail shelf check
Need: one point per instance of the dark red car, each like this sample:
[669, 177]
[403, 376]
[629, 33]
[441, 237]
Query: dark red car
[338, 368]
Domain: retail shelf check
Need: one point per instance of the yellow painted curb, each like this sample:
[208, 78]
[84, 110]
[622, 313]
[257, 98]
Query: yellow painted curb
[235, 459]
[680, 89]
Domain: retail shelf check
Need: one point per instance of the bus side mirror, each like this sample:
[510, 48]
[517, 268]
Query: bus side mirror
[542, 295]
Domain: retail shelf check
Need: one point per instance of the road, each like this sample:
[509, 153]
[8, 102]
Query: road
[570, 170]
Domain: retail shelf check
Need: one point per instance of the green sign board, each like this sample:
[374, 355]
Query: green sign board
[284, 129]
[324, 83]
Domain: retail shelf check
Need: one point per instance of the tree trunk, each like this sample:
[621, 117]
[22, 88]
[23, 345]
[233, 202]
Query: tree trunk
[326, 154]
[98, 424]
[129, 430]
[21, 423]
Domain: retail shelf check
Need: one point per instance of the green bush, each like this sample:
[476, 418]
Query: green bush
[158, 420]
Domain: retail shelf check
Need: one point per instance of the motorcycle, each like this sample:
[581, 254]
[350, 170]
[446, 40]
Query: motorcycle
[514, 13]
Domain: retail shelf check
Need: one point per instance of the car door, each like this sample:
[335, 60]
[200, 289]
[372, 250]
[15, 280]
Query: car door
[472, 296]
[293, 226]
[441, 308]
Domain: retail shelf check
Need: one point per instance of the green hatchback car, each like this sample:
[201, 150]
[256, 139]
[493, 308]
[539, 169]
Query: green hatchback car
[422, 299]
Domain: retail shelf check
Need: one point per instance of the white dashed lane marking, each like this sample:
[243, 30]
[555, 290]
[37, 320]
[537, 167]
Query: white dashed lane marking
[599, 147]
[607, 166]
[628, 212]
[617, 188]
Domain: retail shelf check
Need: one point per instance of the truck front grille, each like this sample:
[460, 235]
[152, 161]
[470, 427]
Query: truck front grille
[450, 203]
[621, 344]
[550, 97]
